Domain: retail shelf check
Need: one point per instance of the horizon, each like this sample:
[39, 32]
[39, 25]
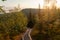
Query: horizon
[26, 4]
[23, 4]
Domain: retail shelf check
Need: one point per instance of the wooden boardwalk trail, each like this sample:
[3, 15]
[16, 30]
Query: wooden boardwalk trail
[26, 35]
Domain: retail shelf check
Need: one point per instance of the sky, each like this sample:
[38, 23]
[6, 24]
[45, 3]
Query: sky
[25, 3]
[22, 3]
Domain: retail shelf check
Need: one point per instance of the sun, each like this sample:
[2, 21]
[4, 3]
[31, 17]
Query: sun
[43, 5]
[58, 3]
[41, 2]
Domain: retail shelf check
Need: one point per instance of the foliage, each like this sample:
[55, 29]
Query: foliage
[12, 24]
[47, 28]
[3, 0]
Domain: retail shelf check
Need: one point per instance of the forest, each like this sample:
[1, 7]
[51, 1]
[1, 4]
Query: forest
[46, 24]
